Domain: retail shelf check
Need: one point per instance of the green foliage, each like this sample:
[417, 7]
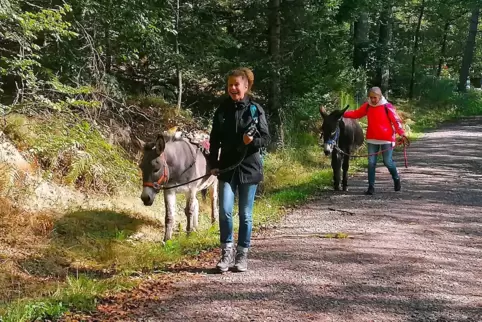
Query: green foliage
[31, 311]
[438, 103]
[27, 35]
[74, 152]
[77, 293]
[87, 47]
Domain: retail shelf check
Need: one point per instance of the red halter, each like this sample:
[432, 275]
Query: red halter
[163, 179]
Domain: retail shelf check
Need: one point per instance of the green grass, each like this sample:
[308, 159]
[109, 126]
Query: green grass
[88, 254]
[79, 292]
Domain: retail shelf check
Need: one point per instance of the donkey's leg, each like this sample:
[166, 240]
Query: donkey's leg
[170, 206]
[191, 210]
[346, 166]
[195, 211]
[213, 192]
[336, 166]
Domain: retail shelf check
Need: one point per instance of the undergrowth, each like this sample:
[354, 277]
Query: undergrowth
[72, 152]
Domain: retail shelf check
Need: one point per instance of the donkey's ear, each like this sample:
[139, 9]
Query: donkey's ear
[323, 112]
[160, 144]
[339, 113]
[139, 144]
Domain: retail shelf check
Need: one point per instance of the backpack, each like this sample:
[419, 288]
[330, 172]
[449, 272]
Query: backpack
[254, 116]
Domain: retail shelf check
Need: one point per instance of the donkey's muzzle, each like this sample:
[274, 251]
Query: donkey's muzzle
[327, 149]
[147, 198]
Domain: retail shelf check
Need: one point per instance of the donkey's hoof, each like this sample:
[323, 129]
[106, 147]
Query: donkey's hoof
[345, 188]
[336, 188]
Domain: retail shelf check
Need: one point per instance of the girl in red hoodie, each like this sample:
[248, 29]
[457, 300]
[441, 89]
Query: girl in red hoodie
[383, 122]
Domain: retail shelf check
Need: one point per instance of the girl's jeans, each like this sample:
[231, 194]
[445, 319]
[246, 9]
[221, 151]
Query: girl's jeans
[387, 160]
[227, 192]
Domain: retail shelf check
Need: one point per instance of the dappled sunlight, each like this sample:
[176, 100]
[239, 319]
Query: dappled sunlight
[394, 256]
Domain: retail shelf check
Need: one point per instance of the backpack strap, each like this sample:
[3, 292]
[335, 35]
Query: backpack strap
[254, 113]
[386, 111]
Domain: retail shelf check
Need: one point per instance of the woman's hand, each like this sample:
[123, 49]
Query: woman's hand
[215, 172]
[404, 139]
[247, 139]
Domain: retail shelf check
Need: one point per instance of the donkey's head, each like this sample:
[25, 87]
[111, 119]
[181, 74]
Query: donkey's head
[155, 171]
[330, 130]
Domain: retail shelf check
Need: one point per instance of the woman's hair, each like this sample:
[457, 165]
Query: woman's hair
[246, 74]
[375, 90]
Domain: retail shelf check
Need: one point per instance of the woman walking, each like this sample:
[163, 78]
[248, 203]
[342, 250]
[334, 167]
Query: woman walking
[239, 132]
[383, 122]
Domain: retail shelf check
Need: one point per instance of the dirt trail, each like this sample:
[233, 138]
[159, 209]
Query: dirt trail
[415, 255]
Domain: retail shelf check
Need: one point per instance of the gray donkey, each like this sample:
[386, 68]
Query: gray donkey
[172, 161]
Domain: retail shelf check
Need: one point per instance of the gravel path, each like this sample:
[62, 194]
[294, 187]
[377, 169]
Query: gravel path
[415, 255]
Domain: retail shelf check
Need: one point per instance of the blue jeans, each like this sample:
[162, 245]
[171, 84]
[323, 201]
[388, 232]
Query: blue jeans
[387, 160]
[247, 193]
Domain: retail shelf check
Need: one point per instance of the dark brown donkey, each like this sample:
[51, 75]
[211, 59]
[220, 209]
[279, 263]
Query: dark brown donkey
[347, 135]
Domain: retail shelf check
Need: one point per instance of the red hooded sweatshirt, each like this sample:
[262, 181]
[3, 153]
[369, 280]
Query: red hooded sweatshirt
[381, 121]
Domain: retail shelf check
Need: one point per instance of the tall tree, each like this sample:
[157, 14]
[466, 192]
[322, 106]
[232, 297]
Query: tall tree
[469, 48]
[178, 65]
[274, 104]
[383, 50]
[360, 52]
[415, 48]
[361, 41]
[443, 49]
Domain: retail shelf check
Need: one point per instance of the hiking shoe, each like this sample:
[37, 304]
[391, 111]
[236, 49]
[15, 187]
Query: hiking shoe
[370, 191]
[241, 259]
[227, 259]
[397, 184]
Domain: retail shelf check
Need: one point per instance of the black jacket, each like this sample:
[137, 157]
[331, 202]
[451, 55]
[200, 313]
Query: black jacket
[231, 120]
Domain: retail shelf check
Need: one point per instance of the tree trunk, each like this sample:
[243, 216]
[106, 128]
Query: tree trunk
[415, 49]
[469, 49]
[108, 50]
[360, 53]
[274, 104]
[178, 67]
[361, 29]
[108, 44]
[383, 52]
[443, 50]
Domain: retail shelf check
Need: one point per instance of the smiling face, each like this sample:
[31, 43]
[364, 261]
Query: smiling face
[237, 87]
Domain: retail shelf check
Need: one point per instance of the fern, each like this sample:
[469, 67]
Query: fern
[79, 166]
